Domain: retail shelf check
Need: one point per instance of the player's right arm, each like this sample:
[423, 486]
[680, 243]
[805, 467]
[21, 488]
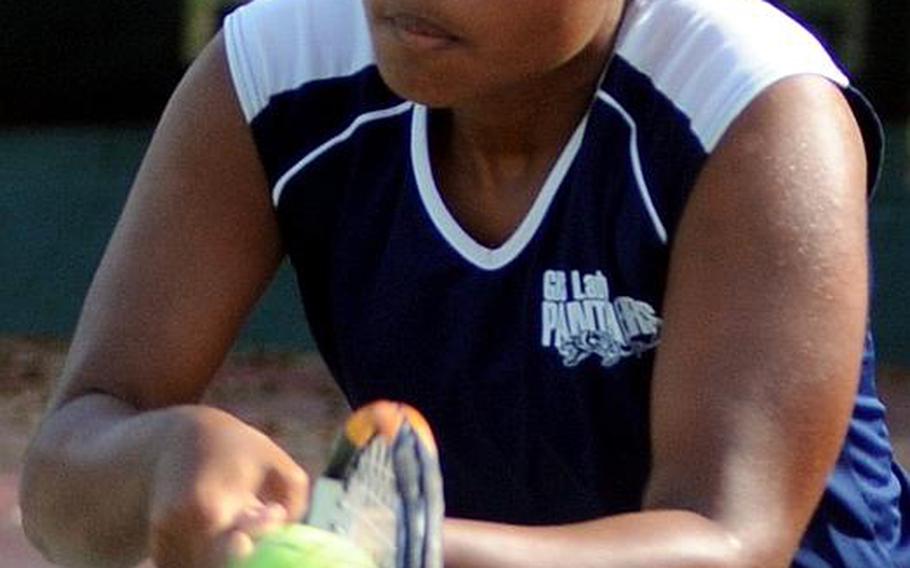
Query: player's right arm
[126, 463]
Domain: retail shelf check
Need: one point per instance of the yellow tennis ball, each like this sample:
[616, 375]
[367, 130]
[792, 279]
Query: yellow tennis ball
[303, 546]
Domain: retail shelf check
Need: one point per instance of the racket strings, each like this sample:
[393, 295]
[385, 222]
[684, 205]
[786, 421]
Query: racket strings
[385, 495]
[372, 501]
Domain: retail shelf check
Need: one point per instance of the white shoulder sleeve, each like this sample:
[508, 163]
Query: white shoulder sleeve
[714, 57]
[275, 46]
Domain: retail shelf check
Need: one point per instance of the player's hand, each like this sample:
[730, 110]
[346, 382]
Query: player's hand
[217, 486]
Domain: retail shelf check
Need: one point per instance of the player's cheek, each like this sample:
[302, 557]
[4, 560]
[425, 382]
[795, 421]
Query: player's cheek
[526, 47]
[553, 35]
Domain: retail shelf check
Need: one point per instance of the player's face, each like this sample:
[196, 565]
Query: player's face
[443, 52]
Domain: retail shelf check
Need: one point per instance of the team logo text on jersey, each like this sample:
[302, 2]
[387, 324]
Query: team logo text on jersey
[579, 319]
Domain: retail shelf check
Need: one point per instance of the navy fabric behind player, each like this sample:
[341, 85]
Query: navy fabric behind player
[531, 360]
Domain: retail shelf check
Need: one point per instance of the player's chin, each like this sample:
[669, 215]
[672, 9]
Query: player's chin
[420, 91]
[428, 82]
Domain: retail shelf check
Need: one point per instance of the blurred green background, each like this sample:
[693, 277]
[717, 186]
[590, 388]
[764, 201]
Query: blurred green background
[84, 82]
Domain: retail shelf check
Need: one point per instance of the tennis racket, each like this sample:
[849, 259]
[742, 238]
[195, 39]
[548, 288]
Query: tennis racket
[382, 488]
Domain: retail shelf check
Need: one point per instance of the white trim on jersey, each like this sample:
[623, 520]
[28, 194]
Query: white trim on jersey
[710, 58]
[477, 254]
[274, 46]
[635, 158]
[714, 57]
[334, 141]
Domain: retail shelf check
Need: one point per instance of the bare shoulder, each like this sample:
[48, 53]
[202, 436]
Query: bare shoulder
[803, 124]
[791, 170]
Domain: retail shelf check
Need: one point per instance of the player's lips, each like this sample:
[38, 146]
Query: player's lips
[419, 32]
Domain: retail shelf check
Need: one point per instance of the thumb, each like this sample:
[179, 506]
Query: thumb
[233, 546]
[252, 523]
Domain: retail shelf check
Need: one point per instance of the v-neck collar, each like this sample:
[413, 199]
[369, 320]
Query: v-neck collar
[449, 228]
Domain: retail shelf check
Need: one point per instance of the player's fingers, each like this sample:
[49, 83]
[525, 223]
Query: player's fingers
[236, 545]
[288, 485]
[261, 519]
[252, 523]
[181, 533]
[238, 541]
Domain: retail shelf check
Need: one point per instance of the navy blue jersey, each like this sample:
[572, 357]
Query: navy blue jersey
[531, 360]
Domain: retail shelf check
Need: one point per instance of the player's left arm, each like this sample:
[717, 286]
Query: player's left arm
[767, 309]
[756, 375]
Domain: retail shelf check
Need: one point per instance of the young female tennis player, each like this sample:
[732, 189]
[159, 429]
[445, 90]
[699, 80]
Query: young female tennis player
[615, 251]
